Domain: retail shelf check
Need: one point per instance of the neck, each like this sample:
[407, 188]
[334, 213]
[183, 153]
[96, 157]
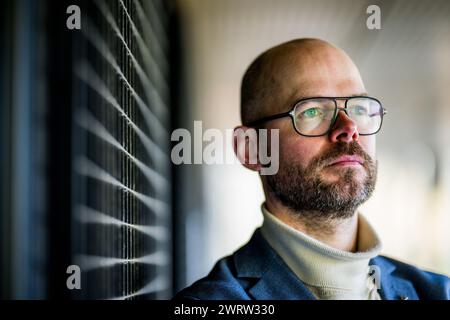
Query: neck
[340, 234]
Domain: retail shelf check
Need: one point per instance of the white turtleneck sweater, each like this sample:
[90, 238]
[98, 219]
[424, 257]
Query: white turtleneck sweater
[329, 273]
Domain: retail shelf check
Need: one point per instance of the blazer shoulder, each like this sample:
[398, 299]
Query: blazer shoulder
[221, 283]
[233, 275]
[429, 285]
[404, 267]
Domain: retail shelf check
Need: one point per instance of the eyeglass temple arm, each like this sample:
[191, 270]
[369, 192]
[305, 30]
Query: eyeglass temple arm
[270, 118]
[384, 112]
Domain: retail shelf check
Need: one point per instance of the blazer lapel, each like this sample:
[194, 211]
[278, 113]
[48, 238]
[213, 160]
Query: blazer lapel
[273, 278]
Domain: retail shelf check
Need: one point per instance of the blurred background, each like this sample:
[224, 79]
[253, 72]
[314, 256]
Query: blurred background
[86, 117]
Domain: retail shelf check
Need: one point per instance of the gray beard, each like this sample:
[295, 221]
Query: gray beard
[304, 192]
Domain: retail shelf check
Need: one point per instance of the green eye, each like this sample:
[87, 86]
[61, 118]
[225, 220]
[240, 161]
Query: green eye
[311, 113]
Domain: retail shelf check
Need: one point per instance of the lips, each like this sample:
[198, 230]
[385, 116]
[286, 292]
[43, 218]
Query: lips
[347, 160]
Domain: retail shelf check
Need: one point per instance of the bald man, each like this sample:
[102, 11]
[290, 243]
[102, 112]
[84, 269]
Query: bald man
[314, 243]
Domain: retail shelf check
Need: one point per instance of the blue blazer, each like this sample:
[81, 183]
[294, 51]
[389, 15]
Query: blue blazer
[257, 272]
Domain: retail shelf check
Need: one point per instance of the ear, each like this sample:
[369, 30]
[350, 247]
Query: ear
[245, 145]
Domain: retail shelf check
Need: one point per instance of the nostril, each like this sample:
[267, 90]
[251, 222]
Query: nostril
[343, 136]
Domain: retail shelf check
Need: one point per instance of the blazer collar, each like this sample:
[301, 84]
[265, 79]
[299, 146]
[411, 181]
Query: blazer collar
[276, 281]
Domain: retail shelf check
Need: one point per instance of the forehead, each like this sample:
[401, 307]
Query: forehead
[324, 71]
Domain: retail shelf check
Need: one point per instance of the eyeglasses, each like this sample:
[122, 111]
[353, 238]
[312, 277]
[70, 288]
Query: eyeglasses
[314, 117]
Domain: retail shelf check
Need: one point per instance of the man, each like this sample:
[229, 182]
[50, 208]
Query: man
[314, 244]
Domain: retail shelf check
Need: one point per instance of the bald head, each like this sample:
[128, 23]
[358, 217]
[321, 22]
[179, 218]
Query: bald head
[295, 70]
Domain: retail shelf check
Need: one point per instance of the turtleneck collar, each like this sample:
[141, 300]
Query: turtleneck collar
[325, 270]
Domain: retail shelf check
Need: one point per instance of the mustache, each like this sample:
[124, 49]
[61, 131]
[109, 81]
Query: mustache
[343, 149]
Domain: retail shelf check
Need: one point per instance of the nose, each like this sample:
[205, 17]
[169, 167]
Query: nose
[344, 129]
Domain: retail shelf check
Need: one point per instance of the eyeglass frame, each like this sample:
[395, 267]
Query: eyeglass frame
[291, 114]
